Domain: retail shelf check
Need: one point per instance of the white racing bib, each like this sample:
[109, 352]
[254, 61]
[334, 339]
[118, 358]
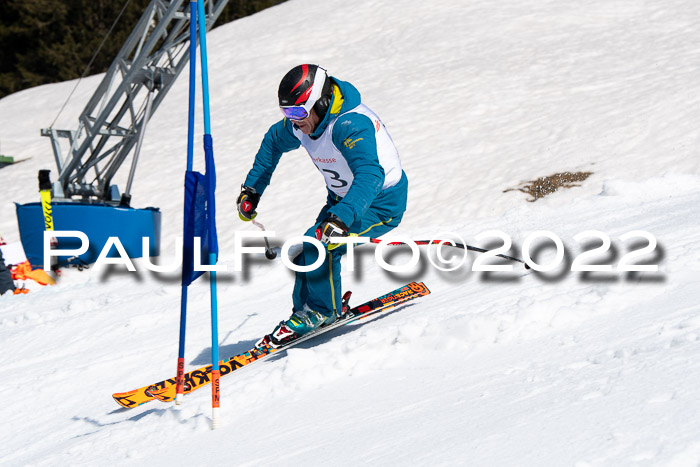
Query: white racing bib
[333, 166]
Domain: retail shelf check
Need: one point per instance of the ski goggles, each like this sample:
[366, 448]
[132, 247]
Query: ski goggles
[298, 112]
[302, 111]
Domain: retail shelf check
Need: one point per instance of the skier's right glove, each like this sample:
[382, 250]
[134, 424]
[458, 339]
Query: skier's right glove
[247, 203]
[330, 229]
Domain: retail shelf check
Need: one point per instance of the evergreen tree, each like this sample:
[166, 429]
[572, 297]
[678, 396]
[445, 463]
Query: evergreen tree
[48, 41]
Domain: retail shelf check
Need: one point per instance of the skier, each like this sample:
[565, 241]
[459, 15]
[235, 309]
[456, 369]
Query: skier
[367, 187]
[6, 282]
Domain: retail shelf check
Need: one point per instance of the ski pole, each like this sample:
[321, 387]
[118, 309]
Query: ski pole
[269, 252]
[452, 244]
[45, 192]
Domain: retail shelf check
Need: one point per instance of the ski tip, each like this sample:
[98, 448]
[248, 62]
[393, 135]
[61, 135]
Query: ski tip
[128, 400]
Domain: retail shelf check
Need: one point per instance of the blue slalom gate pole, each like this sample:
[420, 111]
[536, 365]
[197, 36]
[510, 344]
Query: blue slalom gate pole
[209, 154]
[205, 67]
[180, 378]
[193, 79]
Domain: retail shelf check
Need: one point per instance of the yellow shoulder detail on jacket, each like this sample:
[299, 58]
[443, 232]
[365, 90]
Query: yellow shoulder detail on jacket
[337, 100]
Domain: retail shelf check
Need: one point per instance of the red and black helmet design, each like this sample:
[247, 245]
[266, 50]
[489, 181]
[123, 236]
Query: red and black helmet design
[306, 85]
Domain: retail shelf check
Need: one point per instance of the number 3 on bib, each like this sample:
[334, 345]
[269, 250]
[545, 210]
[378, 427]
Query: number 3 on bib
[335, 176]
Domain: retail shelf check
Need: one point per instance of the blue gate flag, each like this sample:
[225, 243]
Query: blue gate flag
[210, 176]
[200, 216]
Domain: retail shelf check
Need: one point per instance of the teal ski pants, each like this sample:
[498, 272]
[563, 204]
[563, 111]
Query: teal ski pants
[320, 289]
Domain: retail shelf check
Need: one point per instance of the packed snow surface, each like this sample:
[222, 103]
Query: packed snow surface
[493, 368]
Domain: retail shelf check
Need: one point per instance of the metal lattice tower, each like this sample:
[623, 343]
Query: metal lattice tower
[115, 118]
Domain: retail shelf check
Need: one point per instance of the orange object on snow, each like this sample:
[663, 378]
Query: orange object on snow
[24, 271]
[40, 276]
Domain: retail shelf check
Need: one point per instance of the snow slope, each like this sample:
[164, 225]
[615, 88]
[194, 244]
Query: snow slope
[520, 368]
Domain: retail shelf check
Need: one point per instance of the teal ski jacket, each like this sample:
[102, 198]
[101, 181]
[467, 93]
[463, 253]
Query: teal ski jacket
[353, 135]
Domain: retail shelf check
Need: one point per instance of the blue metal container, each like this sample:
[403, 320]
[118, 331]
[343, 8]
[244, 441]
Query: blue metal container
[97, 221]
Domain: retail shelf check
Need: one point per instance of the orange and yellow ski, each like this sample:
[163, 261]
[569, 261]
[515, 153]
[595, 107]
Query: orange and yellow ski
[195, 379]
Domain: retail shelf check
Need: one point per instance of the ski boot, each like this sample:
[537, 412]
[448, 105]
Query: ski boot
[300, 323]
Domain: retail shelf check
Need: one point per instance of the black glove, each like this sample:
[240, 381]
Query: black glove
[329, 228]
[247, 203]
